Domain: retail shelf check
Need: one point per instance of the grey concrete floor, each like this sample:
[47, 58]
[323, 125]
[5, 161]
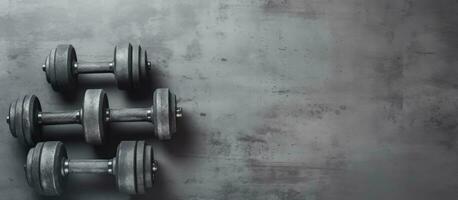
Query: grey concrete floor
[283, 99]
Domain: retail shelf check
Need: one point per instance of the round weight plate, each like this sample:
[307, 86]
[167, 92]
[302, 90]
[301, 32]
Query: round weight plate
[18, 123]
[125, 167]
[51, 69]
[51, 164]
[148, 166]
[31, 128]
[140, 167]
[64, 58]
[12, 116]
[123, 66]
[94, 106]
[28, 167]
[144, 72]
[136, 67]
[164, 107]
[33, 167]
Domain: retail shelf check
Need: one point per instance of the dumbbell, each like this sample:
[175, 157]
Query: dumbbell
[134, 167]
[129, 65]
[25, 117]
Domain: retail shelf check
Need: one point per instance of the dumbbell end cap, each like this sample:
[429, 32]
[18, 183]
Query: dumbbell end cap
[179, 112]
[155, 166]
[149, 65]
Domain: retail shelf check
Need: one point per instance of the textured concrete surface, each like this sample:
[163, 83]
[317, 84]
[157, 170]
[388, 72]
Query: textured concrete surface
[283, 99]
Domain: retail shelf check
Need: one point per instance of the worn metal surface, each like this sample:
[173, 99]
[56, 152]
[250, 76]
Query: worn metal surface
[47, 167]
[26, 119]
[123, 66]
[164, 113]
[62, 70]
[22, 119]
[128, 114]
[89, 166]
[52, 156]
[94, 67]
[283, 99]
[94, 105]
[63, 117]
[129, 65]
[43, 168]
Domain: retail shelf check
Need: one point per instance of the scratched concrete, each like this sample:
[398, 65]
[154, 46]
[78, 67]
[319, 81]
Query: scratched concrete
[283, 99]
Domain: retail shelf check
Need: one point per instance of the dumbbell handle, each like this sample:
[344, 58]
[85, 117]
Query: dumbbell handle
[111, 115]
[128, 114]
[48, 118]
[94, 67]
[94, 166]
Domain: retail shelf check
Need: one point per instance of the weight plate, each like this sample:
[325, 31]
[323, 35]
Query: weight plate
[148, 166]
[136, 67]
[34, 168]
[28, 167]
[125, 167]
[123, 66]
[140, 166]
[65, 56]
[12, 116]
[31, 128]
[94, 106]
[164, 107]
[18, 120]
[144, 72]
[51, 163]
[51, 71]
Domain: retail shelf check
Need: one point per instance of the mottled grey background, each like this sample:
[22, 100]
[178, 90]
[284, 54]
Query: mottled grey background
[283, 99]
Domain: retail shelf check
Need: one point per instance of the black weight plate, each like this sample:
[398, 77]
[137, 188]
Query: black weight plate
[164, 113]
[51, 176]
[140, 166]
[148, 166]
[18, 122]
[173, 114]
[12, 116]
[125, 167]
[94, 106]
[28, 167]
[31, 129]
[144, 72]
[136, 67]
[51, 71]
[35, 168]
[65, 56]
[123, 66]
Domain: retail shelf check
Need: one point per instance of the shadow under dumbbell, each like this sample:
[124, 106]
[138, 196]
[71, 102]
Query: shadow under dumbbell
[72, 97]
[161, 189]
[158, 77]
[72, 132]
[93, 185]
[185, 139]
[88, 81]
[140, 94]
[121, 131]
[146, 91]
[91, 81]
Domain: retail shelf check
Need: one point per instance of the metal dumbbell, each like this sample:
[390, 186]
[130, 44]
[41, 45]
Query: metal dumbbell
[47, 166]
[129, 65]
[25, 117]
